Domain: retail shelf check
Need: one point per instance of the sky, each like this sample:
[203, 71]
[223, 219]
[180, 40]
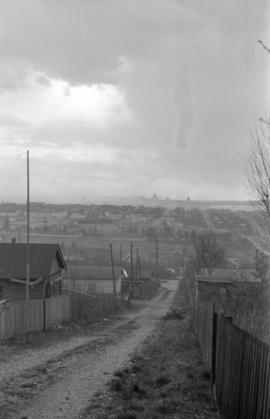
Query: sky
[130, 97]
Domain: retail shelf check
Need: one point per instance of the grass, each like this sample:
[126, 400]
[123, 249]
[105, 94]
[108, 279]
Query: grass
[165, 379]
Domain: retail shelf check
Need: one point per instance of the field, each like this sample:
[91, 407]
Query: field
[168, 251]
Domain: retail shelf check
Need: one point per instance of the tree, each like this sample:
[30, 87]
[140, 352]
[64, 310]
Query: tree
[257, 172]
[261, 265]
[208, 253]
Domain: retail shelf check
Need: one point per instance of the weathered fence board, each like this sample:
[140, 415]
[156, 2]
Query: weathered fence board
[57, 309]
[242, 373]
[13, 318]
[241, 364]
[44, 313]
[204, 329]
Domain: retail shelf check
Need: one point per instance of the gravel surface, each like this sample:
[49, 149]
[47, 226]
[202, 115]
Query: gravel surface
[59, 381]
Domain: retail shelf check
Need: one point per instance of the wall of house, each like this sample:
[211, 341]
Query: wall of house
[92, 286]
[55, 267]
[4, 289]
[16, 292]
[56, 286]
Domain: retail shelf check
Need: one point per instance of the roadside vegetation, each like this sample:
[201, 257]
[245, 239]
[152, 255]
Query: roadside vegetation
[165, 378]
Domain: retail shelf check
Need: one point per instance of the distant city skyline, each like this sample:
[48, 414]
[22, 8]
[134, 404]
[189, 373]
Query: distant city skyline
[122, 200]
[130, 98]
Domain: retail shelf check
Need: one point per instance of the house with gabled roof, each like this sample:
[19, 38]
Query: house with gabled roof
[47, 266]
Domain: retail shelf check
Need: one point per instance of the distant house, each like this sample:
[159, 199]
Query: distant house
[46, 270]
[231, 274]
[93, 279]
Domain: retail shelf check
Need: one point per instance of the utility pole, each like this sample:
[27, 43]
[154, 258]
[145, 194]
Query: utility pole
[131, 268]
[139, 265]
[184, 262]
[113, 275]
[156, 252]
[120, 255]
[137, 262]
[27, 245]
[156, 257]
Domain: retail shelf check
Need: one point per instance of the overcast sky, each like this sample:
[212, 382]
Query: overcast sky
[130, 97]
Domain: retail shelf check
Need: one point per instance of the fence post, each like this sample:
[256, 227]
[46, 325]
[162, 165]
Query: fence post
[214, 345]
[44, 313]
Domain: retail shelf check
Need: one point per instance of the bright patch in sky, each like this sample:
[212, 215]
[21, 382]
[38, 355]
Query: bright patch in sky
[43, 98]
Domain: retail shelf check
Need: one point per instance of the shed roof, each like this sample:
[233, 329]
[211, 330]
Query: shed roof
[13, 259]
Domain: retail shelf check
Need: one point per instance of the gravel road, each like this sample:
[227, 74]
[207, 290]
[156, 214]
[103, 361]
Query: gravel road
[59, 381]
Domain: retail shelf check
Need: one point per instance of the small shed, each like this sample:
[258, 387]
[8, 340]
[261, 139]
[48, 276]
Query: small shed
[46, 270]
[93, 279]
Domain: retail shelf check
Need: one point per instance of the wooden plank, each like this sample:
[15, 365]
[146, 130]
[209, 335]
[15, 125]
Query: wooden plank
[266, 411]
[246, 378]
[261, 385]
[251, 389]
[257, 377]
[218, 359]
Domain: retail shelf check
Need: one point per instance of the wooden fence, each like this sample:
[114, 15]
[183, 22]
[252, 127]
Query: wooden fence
[44, 313]
[57, 309]
[92, 307]
[239, 364]
[204, 329]
[242, 373]
[90, 286]
[13, 318]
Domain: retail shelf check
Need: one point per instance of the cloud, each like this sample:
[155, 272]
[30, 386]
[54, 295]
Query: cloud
[134, 95]
[42, 99]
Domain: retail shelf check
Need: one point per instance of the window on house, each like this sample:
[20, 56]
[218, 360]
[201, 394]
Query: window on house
[1, 293]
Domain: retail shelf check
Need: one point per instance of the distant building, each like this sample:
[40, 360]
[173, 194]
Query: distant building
[230, 274]
[93, 279]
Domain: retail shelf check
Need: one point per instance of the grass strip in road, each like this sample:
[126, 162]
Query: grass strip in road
[165, 379]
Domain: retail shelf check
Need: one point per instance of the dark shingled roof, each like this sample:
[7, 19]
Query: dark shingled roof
[13, 259]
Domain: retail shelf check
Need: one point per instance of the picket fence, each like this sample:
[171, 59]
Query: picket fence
[239, 365]
[44, 313]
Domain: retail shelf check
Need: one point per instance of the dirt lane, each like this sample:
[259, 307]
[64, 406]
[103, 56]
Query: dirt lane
[62, 384]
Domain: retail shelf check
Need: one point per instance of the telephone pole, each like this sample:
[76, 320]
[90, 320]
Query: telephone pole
[157, 258]
[131, 268]
[137, 263]
[120, 255]
[27, 244]
[113, 275]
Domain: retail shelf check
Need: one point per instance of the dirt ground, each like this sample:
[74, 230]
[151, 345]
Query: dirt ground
[141, 363]
[55, 375]
[165, 377]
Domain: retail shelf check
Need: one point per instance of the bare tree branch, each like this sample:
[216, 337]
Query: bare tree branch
[257, 172]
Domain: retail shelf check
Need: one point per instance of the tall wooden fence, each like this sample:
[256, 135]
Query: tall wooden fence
[13, 318]
[43, 313]
[57, 309]
[204, 329]
[242, 375]
[239, 364]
